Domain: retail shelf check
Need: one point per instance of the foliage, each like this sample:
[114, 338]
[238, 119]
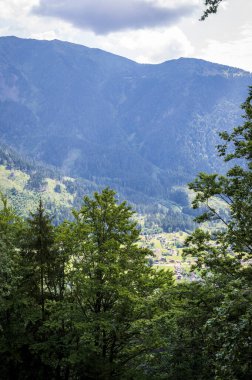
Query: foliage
[234, 189]
[224, 258]
[212, 7]
[113, 285]
[81, 293]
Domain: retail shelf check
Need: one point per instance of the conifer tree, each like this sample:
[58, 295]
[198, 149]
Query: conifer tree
[38, 257]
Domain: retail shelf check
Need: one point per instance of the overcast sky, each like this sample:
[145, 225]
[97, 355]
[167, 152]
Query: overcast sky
[149, 31]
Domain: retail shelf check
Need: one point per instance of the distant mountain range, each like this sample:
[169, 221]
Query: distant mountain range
[141, 129]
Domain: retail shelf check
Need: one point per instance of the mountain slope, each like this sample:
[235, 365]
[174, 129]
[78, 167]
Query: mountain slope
[24, 182]
[140, 128]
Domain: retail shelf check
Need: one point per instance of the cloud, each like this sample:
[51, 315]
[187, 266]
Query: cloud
[106, 16]
[16, 19]
[237, 53]
[148, 46]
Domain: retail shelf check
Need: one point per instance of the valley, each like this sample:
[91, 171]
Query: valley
[60, 195]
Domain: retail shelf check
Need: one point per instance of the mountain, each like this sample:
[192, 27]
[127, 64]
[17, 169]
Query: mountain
[24, 181]
[142, 129]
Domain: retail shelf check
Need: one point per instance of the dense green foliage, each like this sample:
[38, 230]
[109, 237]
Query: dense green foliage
[79, 300]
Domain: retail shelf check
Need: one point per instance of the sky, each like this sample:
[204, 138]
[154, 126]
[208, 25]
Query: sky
[147, 31]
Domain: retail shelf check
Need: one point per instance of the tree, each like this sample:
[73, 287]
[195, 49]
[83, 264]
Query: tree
[212, 7]
[224, 258]
[234, 189]
[38, 257]
[9, 225]
[10, 304]
[114, 290]
[78, 301]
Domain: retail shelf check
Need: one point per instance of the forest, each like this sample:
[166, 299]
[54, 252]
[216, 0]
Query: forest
[80, 300]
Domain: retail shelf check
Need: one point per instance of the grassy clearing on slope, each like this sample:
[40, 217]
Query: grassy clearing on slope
[14, 184]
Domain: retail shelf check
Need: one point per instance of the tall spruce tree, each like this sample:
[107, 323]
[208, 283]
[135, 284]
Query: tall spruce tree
[38, 257]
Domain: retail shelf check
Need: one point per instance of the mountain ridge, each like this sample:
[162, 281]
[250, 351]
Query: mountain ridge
[104, 53]
[108, 119]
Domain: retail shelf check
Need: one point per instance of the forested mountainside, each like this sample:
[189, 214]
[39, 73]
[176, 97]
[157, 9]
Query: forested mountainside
[25, 181]
[140, 128]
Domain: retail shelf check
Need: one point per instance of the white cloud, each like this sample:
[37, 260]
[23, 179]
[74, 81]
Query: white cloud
[149, 46]
[15, 19]
[48, 35]
[237, 53]
[16, 8]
